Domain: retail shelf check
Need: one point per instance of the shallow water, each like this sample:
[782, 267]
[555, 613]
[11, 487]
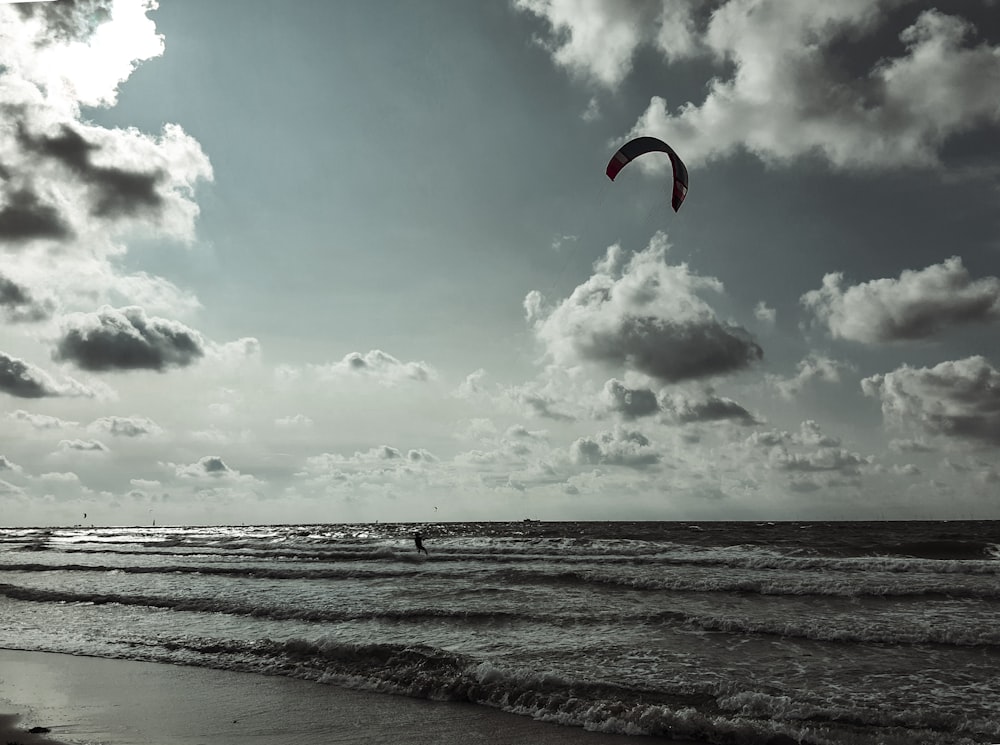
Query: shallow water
[729, 632]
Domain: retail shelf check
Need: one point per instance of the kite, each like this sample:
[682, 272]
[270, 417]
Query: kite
[642, 145]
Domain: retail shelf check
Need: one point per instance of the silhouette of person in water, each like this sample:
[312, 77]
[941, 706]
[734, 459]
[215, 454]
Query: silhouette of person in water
[420, 543]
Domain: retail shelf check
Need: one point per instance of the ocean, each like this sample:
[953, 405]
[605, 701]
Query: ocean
[737, 633]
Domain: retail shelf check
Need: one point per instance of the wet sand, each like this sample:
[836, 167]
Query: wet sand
[88, 700]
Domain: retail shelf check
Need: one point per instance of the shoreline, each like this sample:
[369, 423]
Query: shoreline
[125, 702]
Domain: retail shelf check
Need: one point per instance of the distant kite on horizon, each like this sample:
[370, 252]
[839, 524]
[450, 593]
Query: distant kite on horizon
[642, 145]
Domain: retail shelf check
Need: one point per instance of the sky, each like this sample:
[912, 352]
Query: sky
[312, 262]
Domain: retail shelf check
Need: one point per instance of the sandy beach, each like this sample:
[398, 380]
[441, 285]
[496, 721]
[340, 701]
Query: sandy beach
[87, 700]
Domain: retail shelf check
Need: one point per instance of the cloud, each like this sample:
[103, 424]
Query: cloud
[918, 305]
[378, 366]
[765, 314]
[40, 421]
[707, 407]
[594, 39]
[120, 426]
[71, 190]
[793, 80]
[629, 403]
[83, 446]
[909, 445]
[24, 217]
[6, 464]
[18, 305]
[23, 380]
[114, 191]
[813, 367]
[295, 421]
[959, 398]
[642, 315]
[538, 402]
[211, 469]
[126, 339]
[618, 447]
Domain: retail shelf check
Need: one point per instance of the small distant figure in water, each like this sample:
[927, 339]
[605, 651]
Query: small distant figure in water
[420, 543]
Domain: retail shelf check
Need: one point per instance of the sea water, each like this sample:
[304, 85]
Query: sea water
[863, 633]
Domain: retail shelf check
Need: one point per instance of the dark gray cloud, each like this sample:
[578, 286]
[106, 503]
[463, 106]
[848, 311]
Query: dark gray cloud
[115, 191]
[18, 378]
[24, 217]
[959, 398]
[642, 314]
[126, 339]
[18, 305]
[629, 403]
[670, 351]
[918, 305]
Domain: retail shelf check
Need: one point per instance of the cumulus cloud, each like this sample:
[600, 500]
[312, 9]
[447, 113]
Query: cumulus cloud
[18, 304]
[959, 398]
[538, 402]
[911, 445]
[210, 469]
[794, 79]
[765, 314]
[917, 305]
[644, 315]
[127, 339]
[70, 190]
[121, 426]
[40, 421]
[629, 403]
[814, 367]
[295, 421]
[24, 380]
[618, 447]
[595, 39]
[707, 407]
[378, 366]
[83, 446]
[381, 456]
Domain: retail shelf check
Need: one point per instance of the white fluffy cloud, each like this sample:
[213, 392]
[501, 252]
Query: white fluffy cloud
[959, 398]
[379, 366]
[917, 305]
[125, 426]
[618, 447]
[644, 315]
[814, 367]
[71, 190]
[786, 86]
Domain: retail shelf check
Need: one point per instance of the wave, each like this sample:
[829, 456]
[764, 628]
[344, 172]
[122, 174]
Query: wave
[792, 586]
[711, 712]
[799, 583]
[828, 628]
